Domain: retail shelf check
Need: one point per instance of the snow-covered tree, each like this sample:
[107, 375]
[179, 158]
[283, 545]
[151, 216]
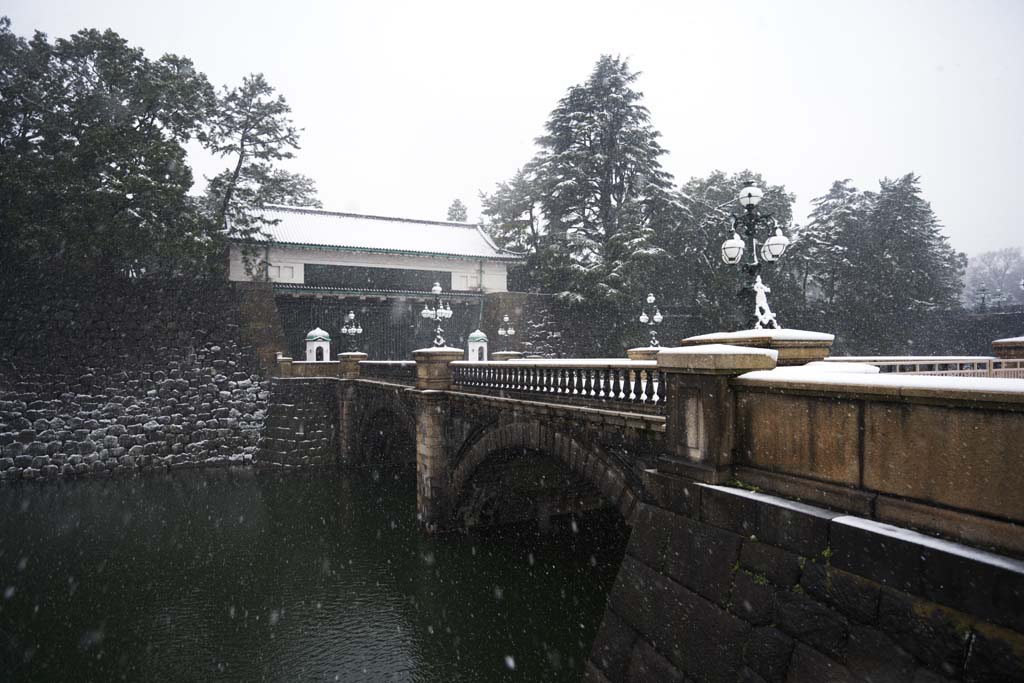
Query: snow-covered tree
[1000, 272]
[457, 212]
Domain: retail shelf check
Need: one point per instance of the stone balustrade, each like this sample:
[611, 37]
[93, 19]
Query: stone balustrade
[626, 384]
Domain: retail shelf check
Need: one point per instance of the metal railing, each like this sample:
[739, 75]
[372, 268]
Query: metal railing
[400, 371]
[947, 366]
[623, 384]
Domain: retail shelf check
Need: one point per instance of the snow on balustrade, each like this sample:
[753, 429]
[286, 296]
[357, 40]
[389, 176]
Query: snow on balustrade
[636, 385]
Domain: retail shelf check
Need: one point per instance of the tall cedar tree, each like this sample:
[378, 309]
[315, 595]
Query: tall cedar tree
[588, 205]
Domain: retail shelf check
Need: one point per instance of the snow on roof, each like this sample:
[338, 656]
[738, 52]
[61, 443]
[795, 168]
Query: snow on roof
[780, 335]
[357, 232]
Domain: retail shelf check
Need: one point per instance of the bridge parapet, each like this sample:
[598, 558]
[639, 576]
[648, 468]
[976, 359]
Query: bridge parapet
[630, 385]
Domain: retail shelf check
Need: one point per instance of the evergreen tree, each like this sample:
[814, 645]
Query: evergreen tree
[93, 172]
[457, 212]
[886, 272]
[252, 128]
[587, 207]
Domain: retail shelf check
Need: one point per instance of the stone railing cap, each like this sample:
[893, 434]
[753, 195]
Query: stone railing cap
[438, 350]
[717, 358]
[353, 355]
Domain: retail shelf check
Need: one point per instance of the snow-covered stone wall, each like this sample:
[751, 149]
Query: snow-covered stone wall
[119, 377]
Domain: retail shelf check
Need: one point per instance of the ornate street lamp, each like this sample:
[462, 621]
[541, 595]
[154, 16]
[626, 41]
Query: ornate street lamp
[744, 230]
[352, 329]
[440, 311]
[651, 320]
[506, 332]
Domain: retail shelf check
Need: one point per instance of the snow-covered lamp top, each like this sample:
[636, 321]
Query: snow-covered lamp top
[317, 334]
[477, 336]
[750, 195]
[436, 289]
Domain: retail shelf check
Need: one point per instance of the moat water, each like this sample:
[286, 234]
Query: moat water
[231, 575]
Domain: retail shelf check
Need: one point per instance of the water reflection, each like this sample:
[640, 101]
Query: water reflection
[226, 575]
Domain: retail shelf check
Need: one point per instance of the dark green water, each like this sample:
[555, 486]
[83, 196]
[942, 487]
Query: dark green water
[229, 575]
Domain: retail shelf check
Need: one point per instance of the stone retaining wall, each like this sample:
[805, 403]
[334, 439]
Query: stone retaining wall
[723, 584]
[121, 376]
[301, 427]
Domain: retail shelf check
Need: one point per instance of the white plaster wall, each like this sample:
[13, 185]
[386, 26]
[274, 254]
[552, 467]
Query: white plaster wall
[287, 266]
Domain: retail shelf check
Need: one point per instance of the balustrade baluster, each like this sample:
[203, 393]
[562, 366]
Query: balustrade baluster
[616, 384]
[637, 394]
[649, 388]
[605, 386]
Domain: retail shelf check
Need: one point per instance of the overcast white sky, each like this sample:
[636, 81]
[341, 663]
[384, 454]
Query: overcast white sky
[408, 105]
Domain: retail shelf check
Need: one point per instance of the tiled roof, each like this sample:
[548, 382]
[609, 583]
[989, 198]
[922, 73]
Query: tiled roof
[358, 232]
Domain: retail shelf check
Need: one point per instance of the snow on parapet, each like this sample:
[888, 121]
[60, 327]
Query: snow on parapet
[1001, 387]
[1010, 340]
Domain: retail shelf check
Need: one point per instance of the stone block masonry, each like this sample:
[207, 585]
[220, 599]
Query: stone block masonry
[113, 378]
[723, 584]
[301, 427]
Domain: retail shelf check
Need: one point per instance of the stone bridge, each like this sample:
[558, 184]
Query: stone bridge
[792, 523]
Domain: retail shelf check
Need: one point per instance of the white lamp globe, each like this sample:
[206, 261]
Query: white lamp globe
[436, 289]
[502, 332]
[425, 312]
[650, 298]
[644, 318]
[775, 246]
[732, 249]
[657, 316]
[511, 331]
[750, 195]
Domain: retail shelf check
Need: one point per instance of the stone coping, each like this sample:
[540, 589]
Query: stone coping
[891, 386]
[717, 358]
[313, 362]
[403, 363]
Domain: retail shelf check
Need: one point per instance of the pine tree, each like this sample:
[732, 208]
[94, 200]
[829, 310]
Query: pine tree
[457, 212]
[253, 129]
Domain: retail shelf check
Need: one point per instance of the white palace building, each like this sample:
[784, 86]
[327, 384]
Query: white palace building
[324, 263]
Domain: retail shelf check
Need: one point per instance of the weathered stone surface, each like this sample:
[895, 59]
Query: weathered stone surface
[645, 664]
[809, 666]
[937, 636]
[853, 596]
[813, 623]
[701, 557]
[753, 600]
[612, 646]
[768, 652]
[995, 654]
[875, 657]
[779, 566]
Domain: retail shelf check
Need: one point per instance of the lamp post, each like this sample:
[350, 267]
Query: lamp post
[351, 329]
[440, 311]
[652, 320]
[506, 332]
[744, 229]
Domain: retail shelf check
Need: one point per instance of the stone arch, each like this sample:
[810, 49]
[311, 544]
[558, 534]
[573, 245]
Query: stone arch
[382, 423]
[591, 463]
